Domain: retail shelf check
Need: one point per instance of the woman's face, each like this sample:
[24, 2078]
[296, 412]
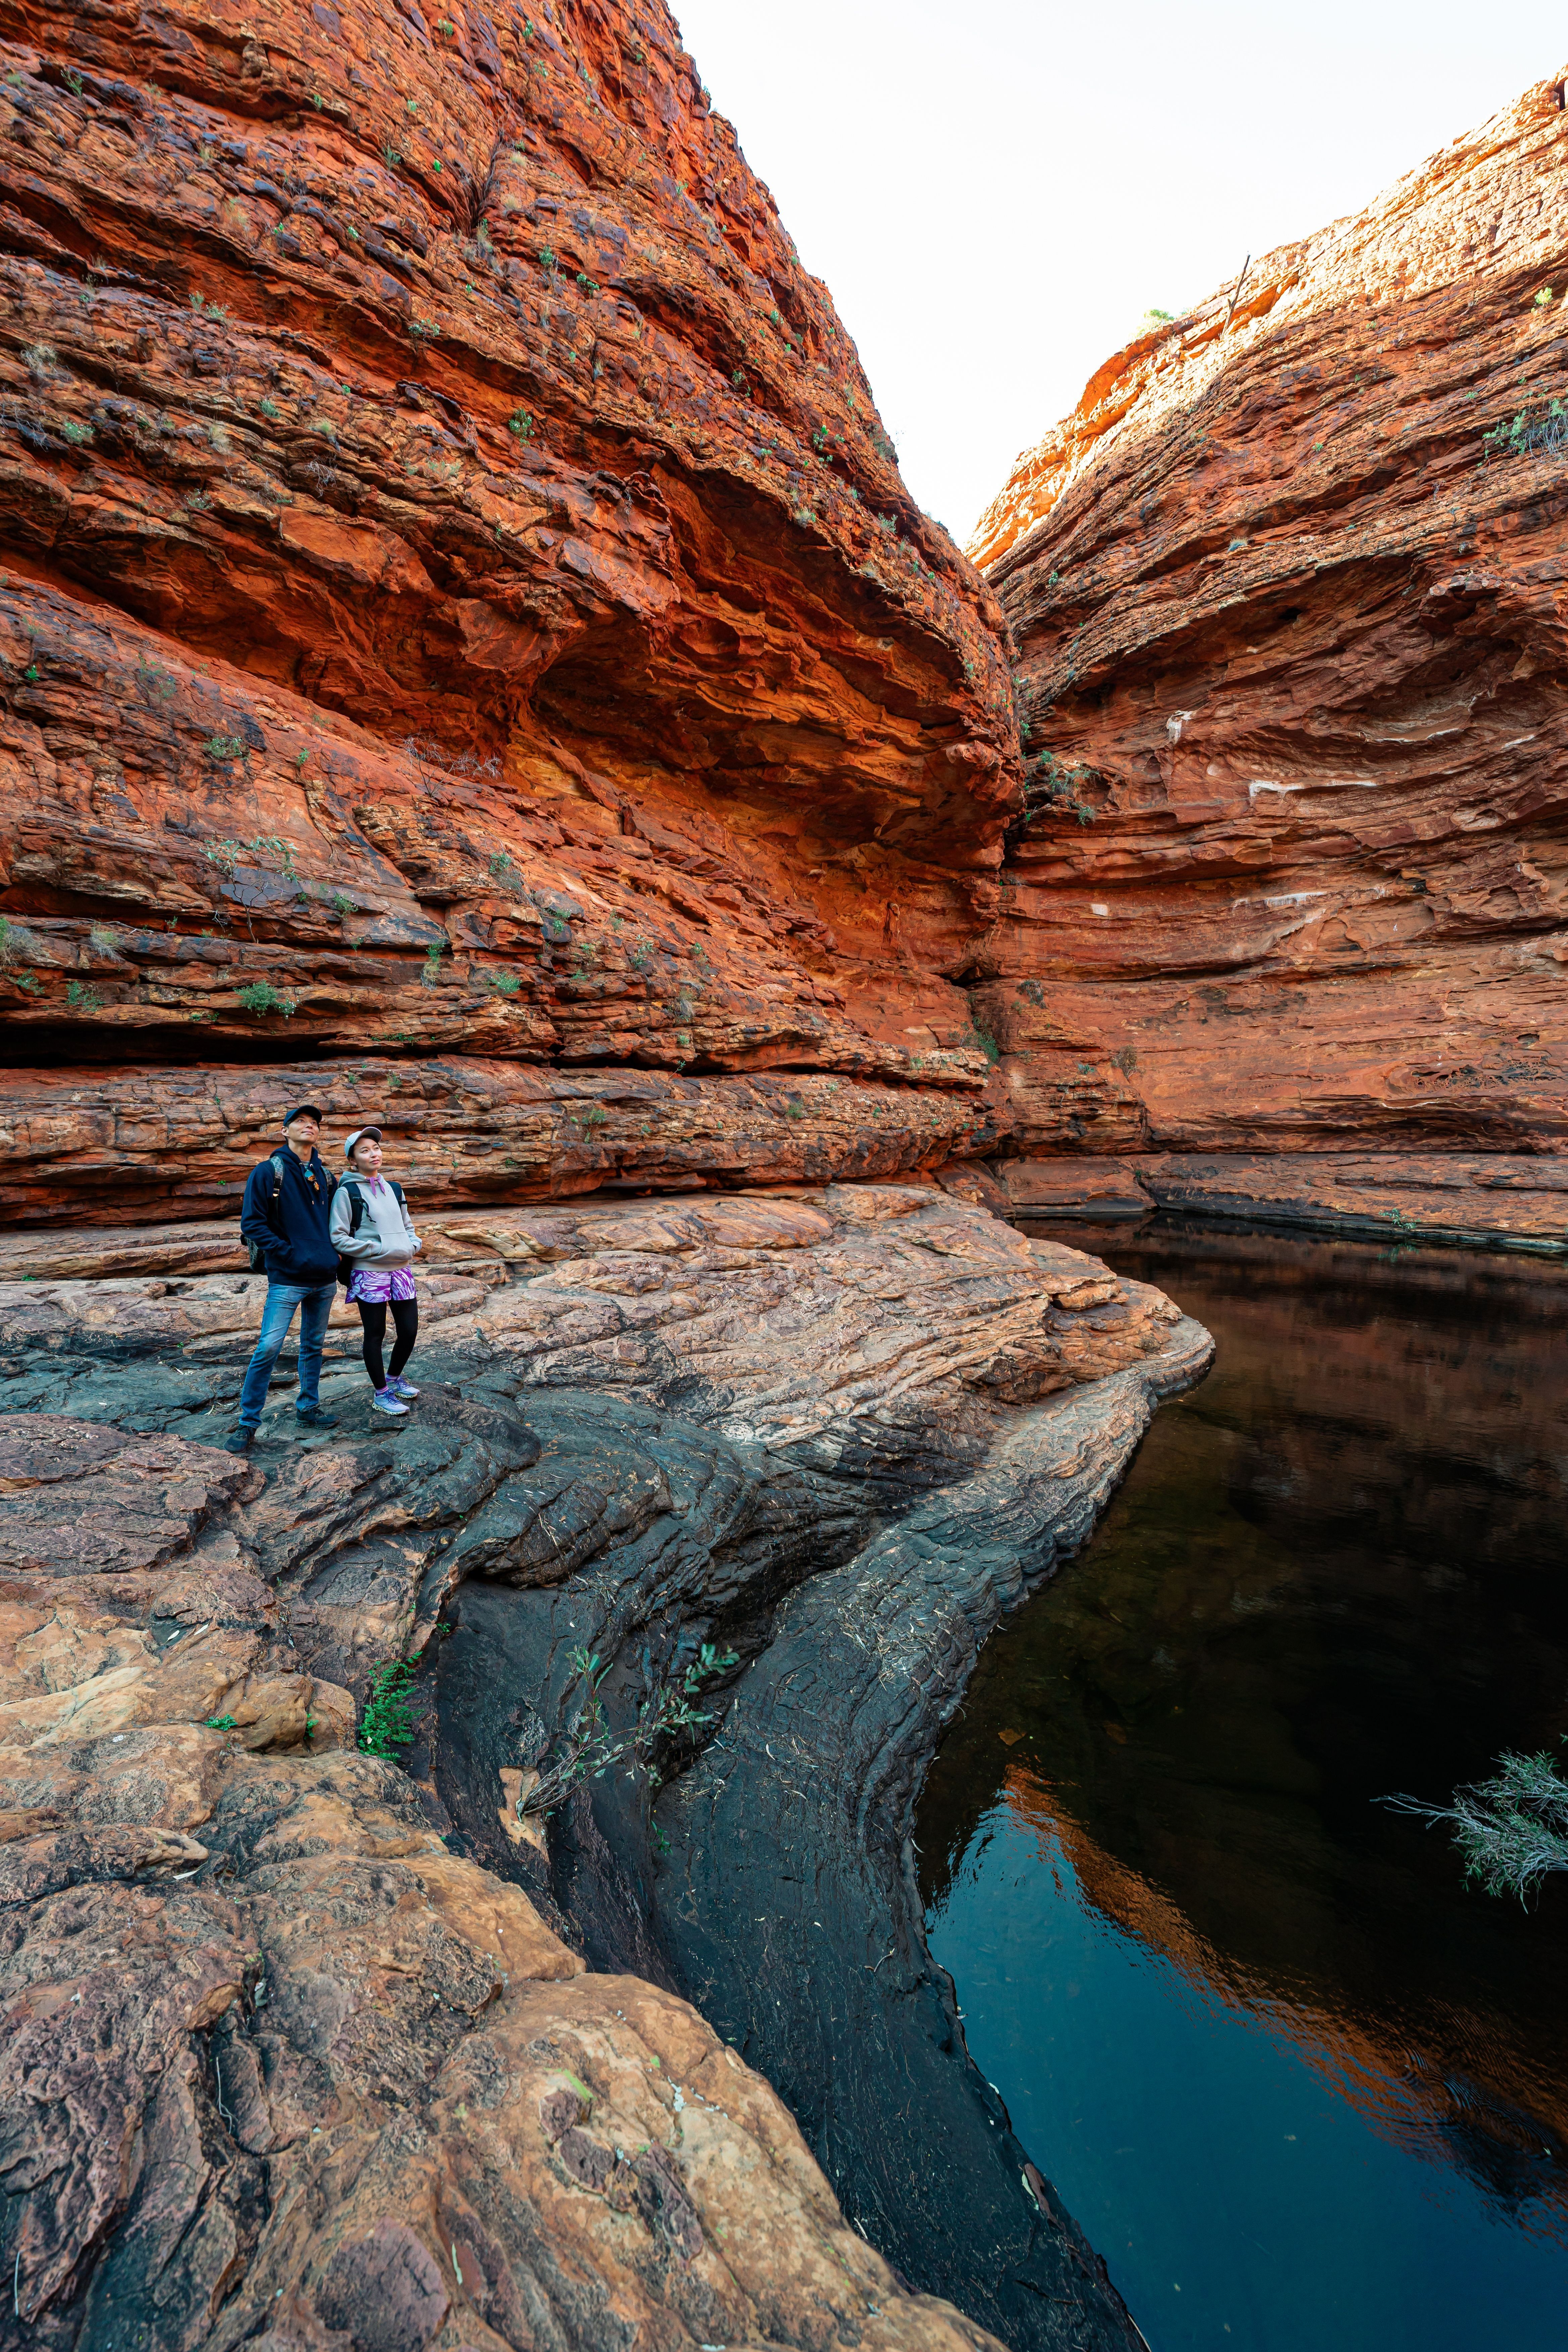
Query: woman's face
[367, 1156]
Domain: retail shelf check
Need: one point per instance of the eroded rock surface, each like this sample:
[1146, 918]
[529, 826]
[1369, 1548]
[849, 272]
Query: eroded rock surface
[456, 590]
[1512, 1200]
[336, 2065]
[1287, 593]
[130, 1145]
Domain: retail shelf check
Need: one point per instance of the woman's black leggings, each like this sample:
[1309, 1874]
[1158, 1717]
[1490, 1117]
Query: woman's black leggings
[405, 1322]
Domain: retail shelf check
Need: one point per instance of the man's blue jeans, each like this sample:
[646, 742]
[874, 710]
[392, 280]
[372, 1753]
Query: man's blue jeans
[315, 1304]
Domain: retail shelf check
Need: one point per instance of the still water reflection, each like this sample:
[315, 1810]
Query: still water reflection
[1299, 2085]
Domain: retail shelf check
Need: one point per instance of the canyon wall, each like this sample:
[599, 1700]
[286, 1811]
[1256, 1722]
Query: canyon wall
[468, 657]
[1287, 594]
[456, 593]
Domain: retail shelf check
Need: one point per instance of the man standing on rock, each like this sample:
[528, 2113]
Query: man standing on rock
[284, 1224]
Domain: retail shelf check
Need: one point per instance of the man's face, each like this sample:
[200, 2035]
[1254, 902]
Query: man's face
[302, 1133]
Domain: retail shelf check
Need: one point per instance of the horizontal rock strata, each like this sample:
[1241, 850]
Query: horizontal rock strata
[1287, 596]
[140, 1144]
[456, 590]
[347, 2066]
[1515, 1202]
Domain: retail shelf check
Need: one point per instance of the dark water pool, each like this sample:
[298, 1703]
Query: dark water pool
[1302, 2087]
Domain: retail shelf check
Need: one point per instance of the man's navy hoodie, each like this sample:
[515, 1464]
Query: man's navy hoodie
[292, 1232]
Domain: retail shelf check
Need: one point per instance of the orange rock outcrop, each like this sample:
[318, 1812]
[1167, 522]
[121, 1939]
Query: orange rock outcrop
[1288, 600]
[456, 590]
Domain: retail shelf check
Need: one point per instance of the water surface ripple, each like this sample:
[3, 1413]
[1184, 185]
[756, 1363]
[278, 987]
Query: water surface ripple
[1300, 2085]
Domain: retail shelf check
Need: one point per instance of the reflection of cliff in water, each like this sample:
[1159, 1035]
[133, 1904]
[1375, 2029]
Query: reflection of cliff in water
[1409, 2078]
[1336, 1571]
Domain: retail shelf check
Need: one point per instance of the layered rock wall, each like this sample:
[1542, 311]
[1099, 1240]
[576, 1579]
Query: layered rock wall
[1289, 603]
[456, 590]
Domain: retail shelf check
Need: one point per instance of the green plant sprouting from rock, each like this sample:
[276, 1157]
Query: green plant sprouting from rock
[1544, 435]
[1053, 789]
[590, 1748]
[260, 997]
[388, 1723]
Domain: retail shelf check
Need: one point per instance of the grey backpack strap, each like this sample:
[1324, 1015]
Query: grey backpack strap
[356, 1202]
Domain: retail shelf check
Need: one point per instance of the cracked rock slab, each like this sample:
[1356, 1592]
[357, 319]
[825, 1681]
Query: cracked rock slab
[355, 2047]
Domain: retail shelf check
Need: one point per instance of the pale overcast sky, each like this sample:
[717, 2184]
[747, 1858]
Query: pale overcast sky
[994, 192]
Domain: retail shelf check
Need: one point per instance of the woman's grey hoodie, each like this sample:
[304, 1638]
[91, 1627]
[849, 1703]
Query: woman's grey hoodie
[385, 1237]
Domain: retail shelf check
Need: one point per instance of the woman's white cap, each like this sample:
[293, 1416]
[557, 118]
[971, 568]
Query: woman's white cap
[358, 1136]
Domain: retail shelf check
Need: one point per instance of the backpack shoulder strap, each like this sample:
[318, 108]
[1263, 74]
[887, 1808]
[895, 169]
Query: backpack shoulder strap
[356, 1202]
[275, 1164]
[397, 1188]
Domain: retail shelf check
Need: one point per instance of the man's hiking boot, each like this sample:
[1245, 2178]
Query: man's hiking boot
[385, 1401]
[239, 1441]
[317, 1419]
[401, 1388]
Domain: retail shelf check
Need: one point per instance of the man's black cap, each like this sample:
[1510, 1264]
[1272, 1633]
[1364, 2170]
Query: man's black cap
[303, 1110]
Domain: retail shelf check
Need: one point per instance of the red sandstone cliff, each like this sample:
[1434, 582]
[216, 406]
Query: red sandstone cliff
[1289, 604]
[456, 590]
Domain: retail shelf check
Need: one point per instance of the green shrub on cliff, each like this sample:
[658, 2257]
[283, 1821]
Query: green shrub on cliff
[1544, 434]
[261, 997]
[1056, 789]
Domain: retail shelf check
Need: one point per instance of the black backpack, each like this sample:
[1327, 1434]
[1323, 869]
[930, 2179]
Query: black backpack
[253, 1249]
[356, 1218]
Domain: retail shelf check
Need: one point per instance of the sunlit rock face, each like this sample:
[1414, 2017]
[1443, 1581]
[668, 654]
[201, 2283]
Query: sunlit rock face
[1287, 596]
[455, 588]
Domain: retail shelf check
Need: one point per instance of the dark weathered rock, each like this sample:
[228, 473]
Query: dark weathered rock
[1501, 1200]
[347, 2056]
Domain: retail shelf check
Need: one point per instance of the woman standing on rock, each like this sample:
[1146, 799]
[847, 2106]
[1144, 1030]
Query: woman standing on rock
[372, 1232]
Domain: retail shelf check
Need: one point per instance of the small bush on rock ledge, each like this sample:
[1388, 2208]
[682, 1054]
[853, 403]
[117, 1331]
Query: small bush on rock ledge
[1543, 436]
[388, 1723]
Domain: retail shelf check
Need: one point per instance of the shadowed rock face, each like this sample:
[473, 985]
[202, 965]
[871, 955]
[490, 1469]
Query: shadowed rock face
[1516, 1199]
[302, 2045]
[456, 591]
[1287, 594]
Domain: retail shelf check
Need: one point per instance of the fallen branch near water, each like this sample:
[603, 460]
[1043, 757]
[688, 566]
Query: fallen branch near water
[1512, 1829]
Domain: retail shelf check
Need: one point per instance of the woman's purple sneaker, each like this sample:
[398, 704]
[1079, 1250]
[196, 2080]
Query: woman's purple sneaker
[400, 1387]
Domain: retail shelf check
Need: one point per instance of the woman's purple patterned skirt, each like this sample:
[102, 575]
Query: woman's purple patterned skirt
[376, 1283]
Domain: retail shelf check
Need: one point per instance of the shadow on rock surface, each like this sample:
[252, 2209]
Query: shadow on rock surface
[841, 1441]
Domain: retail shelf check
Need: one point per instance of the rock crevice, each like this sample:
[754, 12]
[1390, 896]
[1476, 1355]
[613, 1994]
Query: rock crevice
[344, 2053]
